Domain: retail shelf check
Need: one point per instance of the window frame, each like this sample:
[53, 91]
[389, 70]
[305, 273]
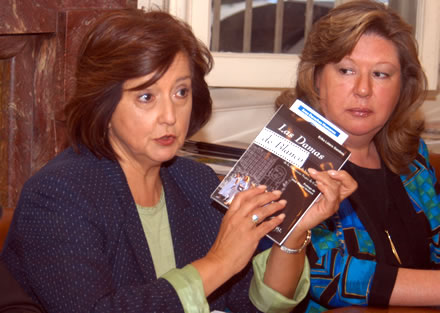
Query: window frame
[267, 70]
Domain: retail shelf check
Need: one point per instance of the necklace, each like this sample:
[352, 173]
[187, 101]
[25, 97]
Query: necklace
[387, 210]
[367, 199]
[393, 248]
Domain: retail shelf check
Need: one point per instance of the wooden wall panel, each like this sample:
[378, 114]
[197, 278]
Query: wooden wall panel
[39, 41]
[26, 17]
[4, 128]
[19, 111]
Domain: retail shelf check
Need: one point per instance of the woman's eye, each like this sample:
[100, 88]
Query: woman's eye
[183, 92]
[381, 74]
[346, 71]
[146, 97]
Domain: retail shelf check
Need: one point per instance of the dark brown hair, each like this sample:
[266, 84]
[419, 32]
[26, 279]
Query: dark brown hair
[122, 45]
[335, 36]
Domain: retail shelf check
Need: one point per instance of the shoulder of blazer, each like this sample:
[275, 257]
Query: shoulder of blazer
[79, 175]
[82, 165]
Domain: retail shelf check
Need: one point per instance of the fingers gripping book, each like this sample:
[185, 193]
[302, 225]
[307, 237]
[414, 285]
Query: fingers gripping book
[294, 139]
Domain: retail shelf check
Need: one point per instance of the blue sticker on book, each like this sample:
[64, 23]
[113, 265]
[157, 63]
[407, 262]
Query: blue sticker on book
[318, 121]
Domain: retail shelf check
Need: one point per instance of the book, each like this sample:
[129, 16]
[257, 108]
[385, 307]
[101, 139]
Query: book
[294, 139]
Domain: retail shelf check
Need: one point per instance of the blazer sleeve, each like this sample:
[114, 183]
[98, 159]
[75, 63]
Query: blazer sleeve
[59, 244]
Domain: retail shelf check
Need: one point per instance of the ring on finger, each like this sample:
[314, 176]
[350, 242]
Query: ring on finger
[255, 218]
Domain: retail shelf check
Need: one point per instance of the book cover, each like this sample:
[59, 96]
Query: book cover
[295, 139]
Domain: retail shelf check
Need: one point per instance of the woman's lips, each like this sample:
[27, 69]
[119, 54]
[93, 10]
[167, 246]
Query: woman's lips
[166, 140]
[360, 112]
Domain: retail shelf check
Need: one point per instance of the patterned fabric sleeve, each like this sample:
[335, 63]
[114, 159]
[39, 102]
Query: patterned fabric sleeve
[424, 191]
[337, 279]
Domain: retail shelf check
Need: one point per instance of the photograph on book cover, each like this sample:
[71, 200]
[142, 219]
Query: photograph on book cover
[279, 158]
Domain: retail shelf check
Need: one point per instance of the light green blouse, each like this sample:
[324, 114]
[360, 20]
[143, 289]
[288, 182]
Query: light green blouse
[187, 281]
[157, 230]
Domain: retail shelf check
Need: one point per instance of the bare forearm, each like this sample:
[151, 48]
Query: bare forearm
[283, 270]
[212, 274]
[416, 288]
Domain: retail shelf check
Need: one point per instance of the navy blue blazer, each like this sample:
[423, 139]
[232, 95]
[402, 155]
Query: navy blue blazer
[76, 242]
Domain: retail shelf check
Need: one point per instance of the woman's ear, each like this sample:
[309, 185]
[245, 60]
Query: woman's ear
[317, 81]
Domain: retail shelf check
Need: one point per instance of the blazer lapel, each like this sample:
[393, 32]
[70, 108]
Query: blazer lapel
[179, 215]
[132, 226]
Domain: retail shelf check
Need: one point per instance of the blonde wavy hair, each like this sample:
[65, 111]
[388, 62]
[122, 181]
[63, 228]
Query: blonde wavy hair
[335, 36]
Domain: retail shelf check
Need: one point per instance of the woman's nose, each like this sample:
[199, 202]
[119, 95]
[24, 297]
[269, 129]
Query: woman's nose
[168, 112]
[363, 85]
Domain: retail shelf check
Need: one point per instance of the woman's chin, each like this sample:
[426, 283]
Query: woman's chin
[165, 157]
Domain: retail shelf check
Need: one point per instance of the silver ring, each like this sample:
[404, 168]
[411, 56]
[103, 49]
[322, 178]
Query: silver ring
[255, 218]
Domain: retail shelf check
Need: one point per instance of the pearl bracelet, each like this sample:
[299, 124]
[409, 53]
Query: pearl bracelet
[304, 245]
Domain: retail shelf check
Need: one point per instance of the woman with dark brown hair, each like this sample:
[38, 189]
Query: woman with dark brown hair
[360, 68]
[118, 223]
